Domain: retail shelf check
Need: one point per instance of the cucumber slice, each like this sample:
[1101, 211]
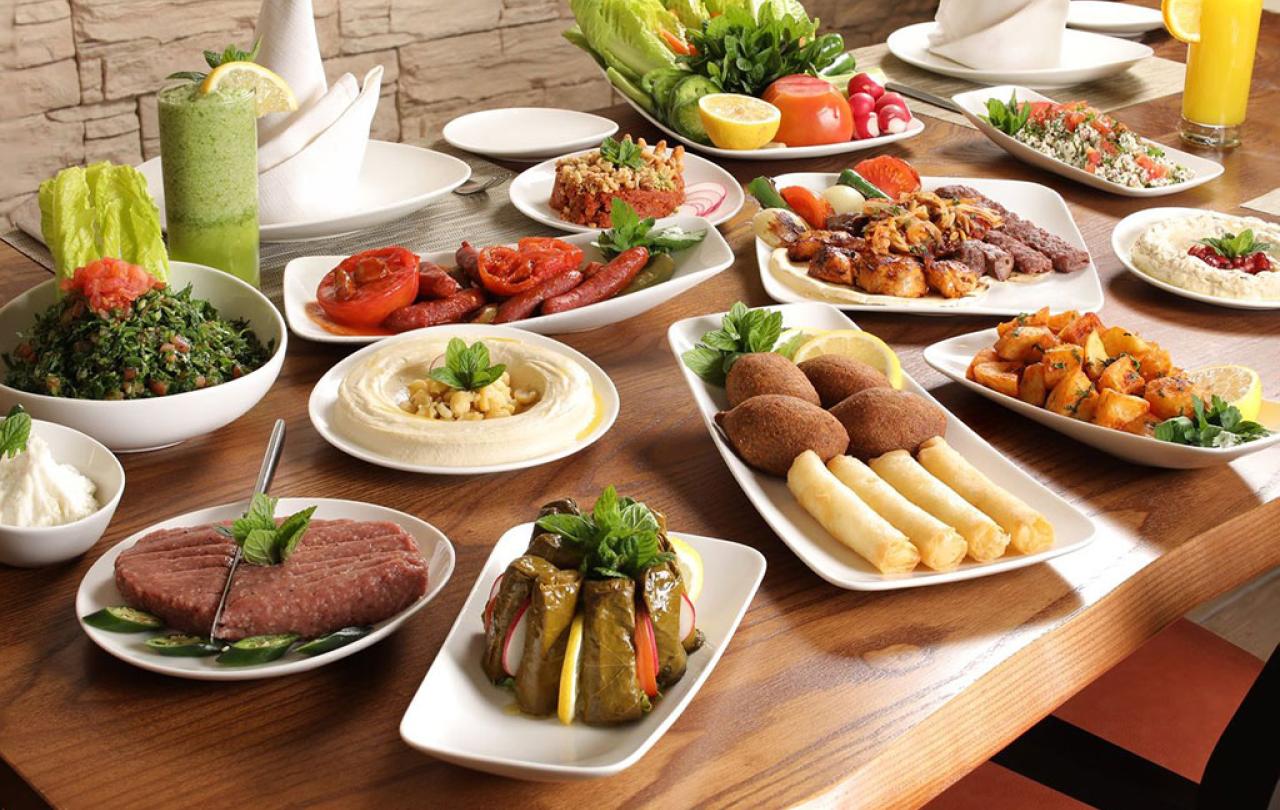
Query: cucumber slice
[181, 645]
[122, 619]
[688, 122]
[660, 86]
[628, 88]
[257, 649]
[850, 178]
[336, 639]
[690, 89]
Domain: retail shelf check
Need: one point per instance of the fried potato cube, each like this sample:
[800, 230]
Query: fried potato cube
[1122, 374]
[998, 376]
[1025, 343]
[1031, 387]
[1061, 362]
[987, 355]
[1171, 396]
[1156, 363]
[1072, 394]
[1057, 322]
[1116, 410]
[1119, 340]
[1078, 330]
[1088, 406]
[1038, 318]
[1144, 425]
[1095, 355]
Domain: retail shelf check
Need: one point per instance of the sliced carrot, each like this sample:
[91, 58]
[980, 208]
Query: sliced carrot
[811, 207]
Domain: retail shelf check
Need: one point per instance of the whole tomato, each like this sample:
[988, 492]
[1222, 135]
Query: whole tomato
[367, 287]
[813, 111]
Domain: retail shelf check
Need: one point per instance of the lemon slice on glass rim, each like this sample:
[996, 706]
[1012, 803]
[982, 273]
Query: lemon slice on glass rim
[271, 92]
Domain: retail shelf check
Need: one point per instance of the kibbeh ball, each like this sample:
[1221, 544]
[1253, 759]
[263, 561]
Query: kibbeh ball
[836, 377]
[878, 420]
[767, 373]
[770, 430]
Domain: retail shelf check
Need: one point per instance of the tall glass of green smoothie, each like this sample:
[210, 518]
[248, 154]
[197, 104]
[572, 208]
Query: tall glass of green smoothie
[209, 155]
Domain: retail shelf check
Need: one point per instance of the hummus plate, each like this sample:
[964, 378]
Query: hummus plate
[355, 405]
[1130, 229]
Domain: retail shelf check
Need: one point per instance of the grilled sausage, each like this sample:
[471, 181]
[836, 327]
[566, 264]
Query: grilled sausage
[467, 258]
[1025, 260]
[1066, 258]
[435, 282]
[608, 282]
[521, 305]
[431, 313]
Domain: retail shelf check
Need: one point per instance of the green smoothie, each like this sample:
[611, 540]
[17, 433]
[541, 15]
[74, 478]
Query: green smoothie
[209, 154]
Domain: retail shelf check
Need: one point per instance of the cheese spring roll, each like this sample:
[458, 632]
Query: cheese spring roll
[848, 519]
[941, 547]
[1029, 530]
[985, 538]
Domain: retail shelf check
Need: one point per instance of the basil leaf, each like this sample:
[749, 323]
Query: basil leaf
[15, 431]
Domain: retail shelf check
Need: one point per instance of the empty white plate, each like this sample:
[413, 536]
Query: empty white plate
[98, 590]
[459, 717]
[1039, 204]
[974, 106]
[1086, 57]
[396, 179]
[1116, 19]
[527, 133]
[826, 556]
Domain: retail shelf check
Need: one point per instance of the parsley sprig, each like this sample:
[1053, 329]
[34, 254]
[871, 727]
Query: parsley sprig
[260, 539]
[467, 368]
[1221, 425]
[629, 231]
[620, 536]
[1233, 246]
[741, 331]
[214, 59]
[1008, 118]
[625, 152]
[15, 430]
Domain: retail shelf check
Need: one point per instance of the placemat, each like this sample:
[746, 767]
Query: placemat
[484, 218]
[1268, 203]
[1151, 78]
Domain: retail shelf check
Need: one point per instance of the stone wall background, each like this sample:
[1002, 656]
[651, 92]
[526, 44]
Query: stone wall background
[78, 77]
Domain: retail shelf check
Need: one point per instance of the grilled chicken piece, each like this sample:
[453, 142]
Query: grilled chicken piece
[806, 247]
[900, 276]
[852, 223]
[833, 264]
[950, 279]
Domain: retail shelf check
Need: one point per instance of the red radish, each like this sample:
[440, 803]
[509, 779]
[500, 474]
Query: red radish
[493, 597]
[892, 120]
[893, 100]
[646, 654]
[700, 199]
[688, 618]
[863, 83]
[513, 646]
[865, 124]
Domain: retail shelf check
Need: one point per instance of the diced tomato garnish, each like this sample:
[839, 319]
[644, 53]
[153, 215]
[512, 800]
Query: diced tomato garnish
[1154, 170]
[110, 284]
[1092, 160]
[367, 287]
[1041, 111]
[894, 176]
[811, 207]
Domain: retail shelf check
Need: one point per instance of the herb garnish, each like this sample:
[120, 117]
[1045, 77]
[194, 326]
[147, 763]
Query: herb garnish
[261, 540]
[629, 231]
[741, 331]
[14, 432]
[1008, 118]
[620, 536]
[467, 368]
[1233, 246]
[1220, 426]
[625, 152]
[214, 59]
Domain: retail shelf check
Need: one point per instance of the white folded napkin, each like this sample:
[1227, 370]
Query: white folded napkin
[302, 127]
[322, 179]
[288, 45]
[1000, 34]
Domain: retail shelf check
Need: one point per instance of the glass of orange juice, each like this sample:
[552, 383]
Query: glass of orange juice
[1221, 37]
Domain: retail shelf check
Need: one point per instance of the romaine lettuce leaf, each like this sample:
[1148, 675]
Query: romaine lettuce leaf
[67, 221]
[691, 13]
[626, 34]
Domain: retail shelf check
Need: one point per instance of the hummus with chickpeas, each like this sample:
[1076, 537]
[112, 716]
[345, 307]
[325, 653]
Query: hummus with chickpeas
[389, 404]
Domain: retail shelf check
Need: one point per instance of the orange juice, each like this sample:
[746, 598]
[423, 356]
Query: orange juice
[1219, 67]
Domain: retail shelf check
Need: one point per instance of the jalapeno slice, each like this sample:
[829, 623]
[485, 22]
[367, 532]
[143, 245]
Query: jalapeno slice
[257, 649]
[182, 645]
[336, 639]
[122, 619]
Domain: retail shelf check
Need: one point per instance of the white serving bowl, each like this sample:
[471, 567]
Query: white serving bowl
[29, 547]
[149, 424]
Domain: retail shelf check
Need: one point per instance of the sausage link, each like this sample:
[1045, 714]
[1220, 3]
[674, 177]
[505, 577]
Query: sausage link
[468, 258]
[608, 282]
[435, 282]
[431, 313]
[521, 305]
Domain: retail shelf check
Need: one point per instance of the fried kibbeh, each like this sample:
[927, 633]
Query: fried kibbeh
[767, 373]
[879, 420]
[770, 430]
[836, 377]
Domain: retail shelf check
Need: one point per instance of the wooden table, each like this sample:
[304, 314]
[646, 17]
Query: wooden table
[824, 695]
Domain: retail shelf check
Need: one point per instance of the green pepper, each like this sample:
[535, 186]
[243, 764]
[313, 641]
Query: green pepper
[181, 645]
[766, 193]
[850, 178]
[257, 649]
[659, 269]
[336, 639]
[122, 619]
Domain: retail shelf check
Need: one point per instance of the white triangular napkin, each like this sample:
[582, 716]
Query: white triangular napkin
[1001, 34]
[286, 32]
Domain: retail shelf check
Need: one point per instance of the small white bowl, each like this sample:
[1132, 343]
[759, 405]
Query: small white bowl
[148, 424]
[30, 547]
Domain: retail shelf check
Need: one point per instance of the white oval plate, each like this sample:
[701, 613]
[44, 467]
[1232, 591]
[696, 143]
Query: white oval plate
[396, 179]
[459, 717]
[693, 266]
[1116, 19]
[527, 133]
[324, 398]
[1086, 57]
[1039, 204]
[1130, 229]
[974, 106]
[826, 556]
[531, 192]
[98, 590]
[952, 358]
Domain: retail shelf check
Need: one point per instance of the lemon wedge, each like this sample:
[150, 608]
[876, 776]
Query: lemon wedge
[568, 703]
[1238, 385]
[271, 92]
[690, 564]
[735, 121]
[853, 343]
[1182, 18]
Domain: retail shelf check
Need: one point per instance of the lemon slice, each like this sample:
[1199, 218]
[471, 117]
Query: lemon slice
[853, 343]
[690, 564]
[568, 703]
[271, 92]
[1238, 385]
[1182, 18]
[735, 121]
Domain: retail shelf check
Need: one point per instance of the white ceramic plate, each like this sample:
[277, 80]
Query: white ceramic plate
[1086, 57]
[1130, 229]
[825, 555]
[531, 192]
[396, 179]
[324, 398]
[1116, 19]
[302, 276]
[527, 133]
[148, 424]
[952, 357]
[974, 106]
[98, 590]
[458, 716]
[1039, 204]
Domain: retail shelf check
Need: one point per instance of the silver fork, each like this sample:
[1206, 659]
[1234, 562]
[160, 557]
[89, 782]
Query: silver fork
[478, 185]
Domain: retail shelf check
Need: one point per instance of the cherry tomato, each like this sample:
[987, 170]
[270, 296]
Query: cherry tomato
[811, 207]
[367, 287]
[813, 111]
[894, 176]
[110, 284]
[507, 271]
